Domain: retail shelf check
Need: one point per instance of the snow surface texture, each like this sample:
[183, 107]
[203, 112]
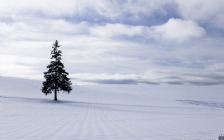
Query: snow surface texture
[121, 112]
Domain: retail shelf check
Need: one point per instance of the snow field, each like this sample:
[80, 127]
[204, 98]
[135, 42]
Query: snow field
[123, 112]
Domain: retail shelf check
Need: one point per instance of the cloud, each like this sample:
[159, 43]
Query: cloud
[174, 30]
[118, 30]
[154, 77]
[125, 42]
[110, 9]
[177, 30]
[203, 11]
[48, 7]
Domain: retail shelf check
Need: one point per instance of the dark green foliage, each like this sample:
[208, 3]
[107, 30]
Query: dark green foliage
[56, 76]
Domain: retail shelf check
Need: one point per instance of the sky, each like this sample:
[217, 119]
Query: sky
[115, 41]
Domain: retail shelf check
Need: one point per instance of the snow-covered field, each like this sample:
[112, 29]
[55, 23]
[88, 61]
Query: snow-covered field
[124, 112]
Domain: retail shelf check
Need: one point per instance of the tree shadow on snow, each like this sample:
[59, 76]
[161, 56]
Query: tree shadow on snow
[76, 104]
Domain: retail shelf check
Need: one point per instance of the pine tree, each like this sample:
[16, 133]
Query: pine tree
[56, 76]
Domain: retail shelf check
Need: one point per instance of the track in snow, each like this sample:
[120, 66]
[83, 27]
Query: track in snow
[29, 118]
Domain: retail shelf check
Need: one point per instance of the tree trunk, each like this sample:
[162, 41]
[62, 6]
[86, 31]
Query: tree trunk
[55, 95]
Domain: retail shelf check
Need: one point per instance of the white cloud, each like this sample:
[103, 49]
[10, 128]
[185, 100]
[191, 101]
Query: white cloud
[114, 30]
[145, 7]
[112, 9]
[203, 11]
[58, 8]
[49, 7]
[177, 30]
[174, 30]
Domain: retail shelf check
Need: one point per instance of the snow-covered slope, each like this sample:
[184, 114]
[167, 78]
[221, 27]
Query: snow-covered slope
[110, 112]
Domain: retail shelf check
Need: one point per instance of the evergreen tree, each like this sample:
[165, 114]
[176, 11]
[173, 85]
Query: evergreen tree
[56, 76]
